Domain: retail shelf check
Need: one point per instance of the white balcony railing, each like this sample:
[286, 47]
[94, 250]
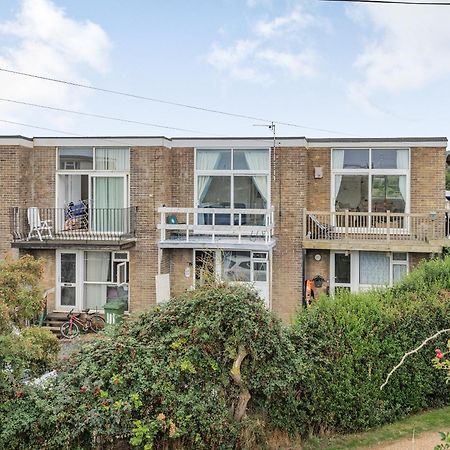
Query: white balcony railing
[188, 224]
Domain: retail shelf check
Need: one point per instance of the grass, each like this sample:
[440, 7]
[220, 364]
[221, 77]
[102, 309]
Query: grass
[435, 420]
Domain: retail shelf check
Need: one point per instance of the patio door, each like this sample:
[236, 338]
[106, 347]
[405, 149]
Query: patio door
[343, 265]
[69, 266]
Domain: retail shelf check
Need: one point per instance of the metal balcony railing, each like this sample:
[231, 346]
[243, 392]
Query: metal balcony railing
[68, 224]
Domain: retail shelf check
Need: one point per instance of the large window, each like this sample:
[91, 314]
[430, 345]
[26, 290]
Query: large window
[97, 158]
[370, 180]
[232, 179]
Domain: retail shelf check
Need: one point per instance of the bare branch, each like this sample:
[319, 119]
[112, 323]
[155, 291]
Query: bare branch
[428, 339]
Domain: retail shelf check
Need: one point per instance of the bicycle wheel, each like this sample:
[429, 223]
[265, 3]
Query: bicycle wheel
[69, 332]
[96, 323]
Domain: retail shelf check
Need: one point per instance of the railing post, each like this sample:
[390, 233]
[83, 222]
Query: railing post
[163, 226]
[187, 226]
[388, 219]
[346, 223]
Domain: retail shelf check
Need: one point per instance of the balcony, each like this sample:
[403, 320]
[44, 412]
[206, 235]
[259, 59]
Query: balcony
[71, 226]
[216, 228]
[376, 231]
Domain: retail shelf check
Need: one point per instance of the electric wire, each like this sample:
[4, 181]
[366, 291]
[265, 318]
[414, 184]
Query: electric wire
[168, 102]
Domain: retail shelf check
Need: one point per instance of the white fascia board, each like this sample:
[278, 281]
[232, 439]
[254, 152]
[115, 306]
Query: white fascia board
[378, 143]
[238, 142]
[15, 141]
[107, 141]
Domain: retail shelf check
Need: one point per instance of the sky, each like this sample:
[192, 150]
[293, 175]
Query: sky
[331, 69]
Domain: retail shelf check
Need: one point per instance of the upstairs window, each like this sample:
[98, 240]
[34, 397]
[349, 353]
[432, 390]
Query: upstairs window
[97, 158]
[232, 179]
[370, 180]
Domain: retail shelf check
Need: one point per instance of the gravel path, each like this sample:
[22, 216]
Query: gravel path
[425, 441]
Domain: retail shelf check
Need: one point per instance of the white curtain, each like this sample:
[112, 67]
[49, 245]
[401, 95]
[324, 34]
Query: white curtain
[112, 159]
[338, 159]
[398, 271]
[337, 186]
[259, 160]
[206, 160]
[374, 268]
[402, 186]
[96, 268]
[402, 159]
[109, 203]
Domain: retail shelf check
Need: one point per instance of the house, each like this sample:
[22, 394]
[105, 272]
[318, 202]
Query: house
[139, 218]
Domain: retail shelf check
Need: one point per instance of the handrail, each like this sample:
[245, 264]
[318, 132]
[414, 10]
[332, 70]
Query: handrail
[382, 226]
[214, 222]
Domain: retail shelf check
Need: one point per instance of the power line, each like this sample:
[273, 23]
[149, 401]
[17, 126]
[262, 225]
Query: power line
[168, 102]
[100, 116]
[393, 2]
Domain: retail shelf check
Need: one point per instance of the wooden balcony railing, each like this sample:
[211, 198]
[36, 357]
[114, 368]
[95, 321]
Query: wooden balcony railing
[386, 227]
[65, 224]
[187, 224]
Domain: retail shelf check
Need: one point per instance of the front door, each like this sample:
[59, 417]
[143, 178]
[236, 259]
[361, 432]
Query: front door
[68, 290]
[341, 265]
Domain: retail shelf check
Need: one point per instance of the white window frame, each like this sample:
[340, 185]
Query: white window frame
[81, 275]
[370, 173]
[355, 285]
[231, 173]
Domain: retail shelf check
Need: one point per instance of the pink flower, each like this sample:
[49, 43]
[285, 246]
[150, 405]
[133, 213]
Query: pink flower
[439, 354]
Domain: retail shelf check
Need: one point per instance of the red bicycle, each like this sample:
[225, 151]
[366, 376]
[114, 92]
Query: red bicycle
[93, 322]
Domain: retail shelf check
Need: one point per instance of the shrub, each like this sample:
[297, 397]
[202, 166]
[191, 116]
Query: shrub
[352, 341]
[166, 379]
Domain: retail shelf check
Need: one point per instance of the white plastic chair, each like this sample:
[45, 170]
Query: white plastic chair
[37, 226]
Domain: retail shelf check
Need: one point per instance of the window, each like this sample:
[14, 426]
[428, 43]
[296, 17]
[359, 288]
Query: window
[244, 266]
[97, 158]
[370, 180]
[362, 270]
[232, 179]
[105, 278]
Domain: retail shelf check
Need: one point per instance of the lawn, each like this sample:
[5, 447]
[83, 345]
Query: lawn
[435, 420]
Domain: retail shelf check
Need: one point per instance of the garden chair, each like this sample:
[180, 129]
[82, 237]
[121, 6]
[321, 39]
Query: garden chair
[38, 226]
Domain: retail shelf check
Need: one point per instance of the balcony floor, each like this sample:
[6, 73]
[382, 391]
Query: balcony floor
[206, 241]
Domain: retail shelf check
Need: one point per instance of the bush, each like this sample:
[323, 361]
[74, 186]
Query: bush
[165, 379]
[352, 341]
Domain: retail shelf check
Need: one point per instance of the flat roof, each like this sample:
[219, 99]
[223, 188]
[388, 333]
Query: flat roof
[216, 142]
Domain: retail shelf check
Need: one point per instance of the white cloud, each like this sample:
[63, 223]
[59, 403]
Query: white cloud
[44, 40]
[277, 45]
[411, 48]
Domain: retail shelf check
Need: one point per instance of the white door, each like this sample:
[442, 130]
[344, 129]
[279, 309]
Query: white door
[260, 276]
[68, 280]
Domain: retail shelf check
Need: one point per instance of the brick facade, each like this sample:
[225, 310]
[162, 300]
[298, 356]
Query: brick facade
[164, 175]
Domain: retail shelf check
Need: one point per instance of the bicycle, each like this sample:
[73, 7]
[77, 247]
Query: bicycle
[93, 321]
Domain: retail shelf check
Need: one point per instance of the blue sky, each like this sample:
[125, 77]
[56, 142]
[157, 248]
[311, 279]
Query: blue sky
[359, 70]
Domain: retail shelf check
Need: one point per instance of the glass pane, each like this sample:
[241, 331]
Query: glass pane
[96, 295]
[399, 256]
[112, 159]
[259, 271]
[390, 159]
[250, 192]
[75, 158]
[236, 266]
[97, 266]
[351, 159]
[109, 213]
[352, 192]
[68, 268]
[341, 268]
[389, 193]
[398, 272]
[251, 160]
[68, 296]
[374, 268]
[214, 192]
[213, 160]
[259, 255]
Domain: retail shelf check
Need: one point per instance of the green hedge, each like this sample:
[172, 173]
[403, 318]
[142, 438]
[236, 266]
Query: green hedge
[350, 343]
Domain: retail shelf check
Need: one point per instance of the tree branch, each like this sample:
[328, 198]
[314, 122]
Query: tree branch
[428, 339]
[244, 396]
